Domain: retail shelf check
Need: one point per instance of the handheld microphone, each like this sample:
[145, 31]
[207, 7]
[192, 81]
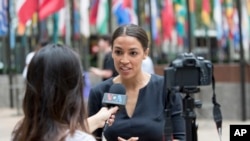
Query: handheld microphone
[115, 97]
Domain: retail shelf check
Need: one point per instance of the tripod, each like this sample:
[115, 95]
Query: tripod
[188, 112]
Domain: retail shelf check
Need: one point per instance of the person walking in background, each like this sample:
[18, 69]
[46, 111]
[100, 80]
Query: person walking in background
[53, 104]
[148, 65]
[143, 116]
[108, 69]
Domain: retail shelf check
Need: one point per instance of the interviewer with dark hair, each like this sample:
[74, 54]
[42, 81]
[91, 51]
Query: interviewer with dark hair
[142, 118]
[53, 105]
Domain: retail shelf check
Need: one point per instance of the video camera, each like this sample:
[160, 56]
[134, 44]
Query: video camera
[188, 70]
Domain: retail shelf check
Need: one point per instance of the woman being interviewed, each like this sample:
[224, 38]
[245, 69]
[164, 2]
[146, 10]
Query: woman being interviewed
[142, 118]
[53, 104]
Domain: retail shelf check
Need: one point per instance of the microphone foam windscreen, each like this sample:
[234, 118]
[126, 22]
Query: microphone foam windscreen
[117, 89]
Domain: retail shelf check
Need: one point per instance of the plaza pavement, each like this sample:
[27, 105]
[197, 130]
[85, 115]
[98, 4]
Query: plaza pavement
[206, 128]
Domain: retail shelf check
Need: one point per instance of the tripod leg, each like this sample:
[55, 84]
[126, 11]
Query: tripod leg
[194, 131]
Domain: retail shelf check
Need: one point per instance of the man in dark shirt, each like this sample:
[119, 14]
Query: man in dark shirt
[108, 69]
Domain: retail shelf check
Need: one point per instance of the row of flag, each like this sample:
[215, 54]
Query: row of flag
[165, 17]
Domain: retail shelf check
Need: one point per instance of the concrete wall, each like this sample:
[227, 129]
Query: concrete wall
[17, 92]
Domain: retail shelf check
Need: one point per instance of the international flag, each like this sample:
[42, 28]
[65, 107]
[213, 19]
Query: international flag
[102, 17]
[61, 21]
[49, 7]
[234, 29]
[121, 13]
[248, 6]
[192, 7]
[131, 6]
[248, 12]
[124, 12]
[77, 19]
[217, 15]
[12, 30]
[229, 12]
[93, 11]
[205, 13]
[245, 25]
[26, 11]
[3, 18]
[180, 12]
[154, 20]
[168, 19]
[84, 15]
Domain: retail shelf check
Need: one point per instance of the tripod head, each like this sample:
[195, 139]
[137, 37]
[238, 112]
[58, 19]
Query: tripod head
[189, 90]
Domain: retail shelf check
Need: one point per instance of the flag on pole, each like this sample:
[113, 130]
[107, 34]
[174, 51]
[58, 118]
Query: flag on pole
[49, 7]
[130, 5]
[248, 13]
[102, 17]
[205, 13]
[217, 14]
[3, 18]
[180, 12]
[122, 15]
[84, 13]
[168, 19]
[192, 15]
[77, 19]
[154, 19]
[93, 11]
[229, 16]
[234, 29]
[26, 11]
[124, 12]
[245, 24]
[61, 21]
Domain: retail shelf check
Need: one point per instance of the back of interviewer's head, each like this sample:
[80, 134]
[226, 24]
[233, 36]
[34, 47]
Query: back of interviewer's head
[54, 87]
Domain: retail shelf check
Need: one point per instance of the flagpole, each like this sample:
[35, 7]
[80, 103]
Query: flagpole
[242, 66]
[67, 24]
[110, 16]
[9, 54]
[72, 23]
[38, 22]
[190, 41]
[138, 10]
[151, 32]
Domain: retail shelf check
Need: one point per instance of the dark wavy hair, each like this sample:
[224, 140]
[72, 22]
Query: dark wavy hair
[53, 101]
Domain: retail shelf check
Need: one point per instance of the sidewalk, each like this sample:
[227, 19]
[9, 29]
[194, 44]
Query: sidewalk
[206, 128]
[8, 119]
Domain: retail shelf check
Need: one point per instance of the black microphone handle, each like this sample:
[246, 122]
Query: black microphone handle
[106, 125]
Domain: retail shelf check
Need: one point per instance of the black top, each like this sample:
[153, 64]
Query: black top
[147, 121]
[108, 64]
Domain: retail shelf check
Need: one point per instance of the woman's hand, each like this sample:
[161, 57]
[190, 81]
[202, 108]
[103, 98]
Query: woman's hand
[130, 139]
[104, 115]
